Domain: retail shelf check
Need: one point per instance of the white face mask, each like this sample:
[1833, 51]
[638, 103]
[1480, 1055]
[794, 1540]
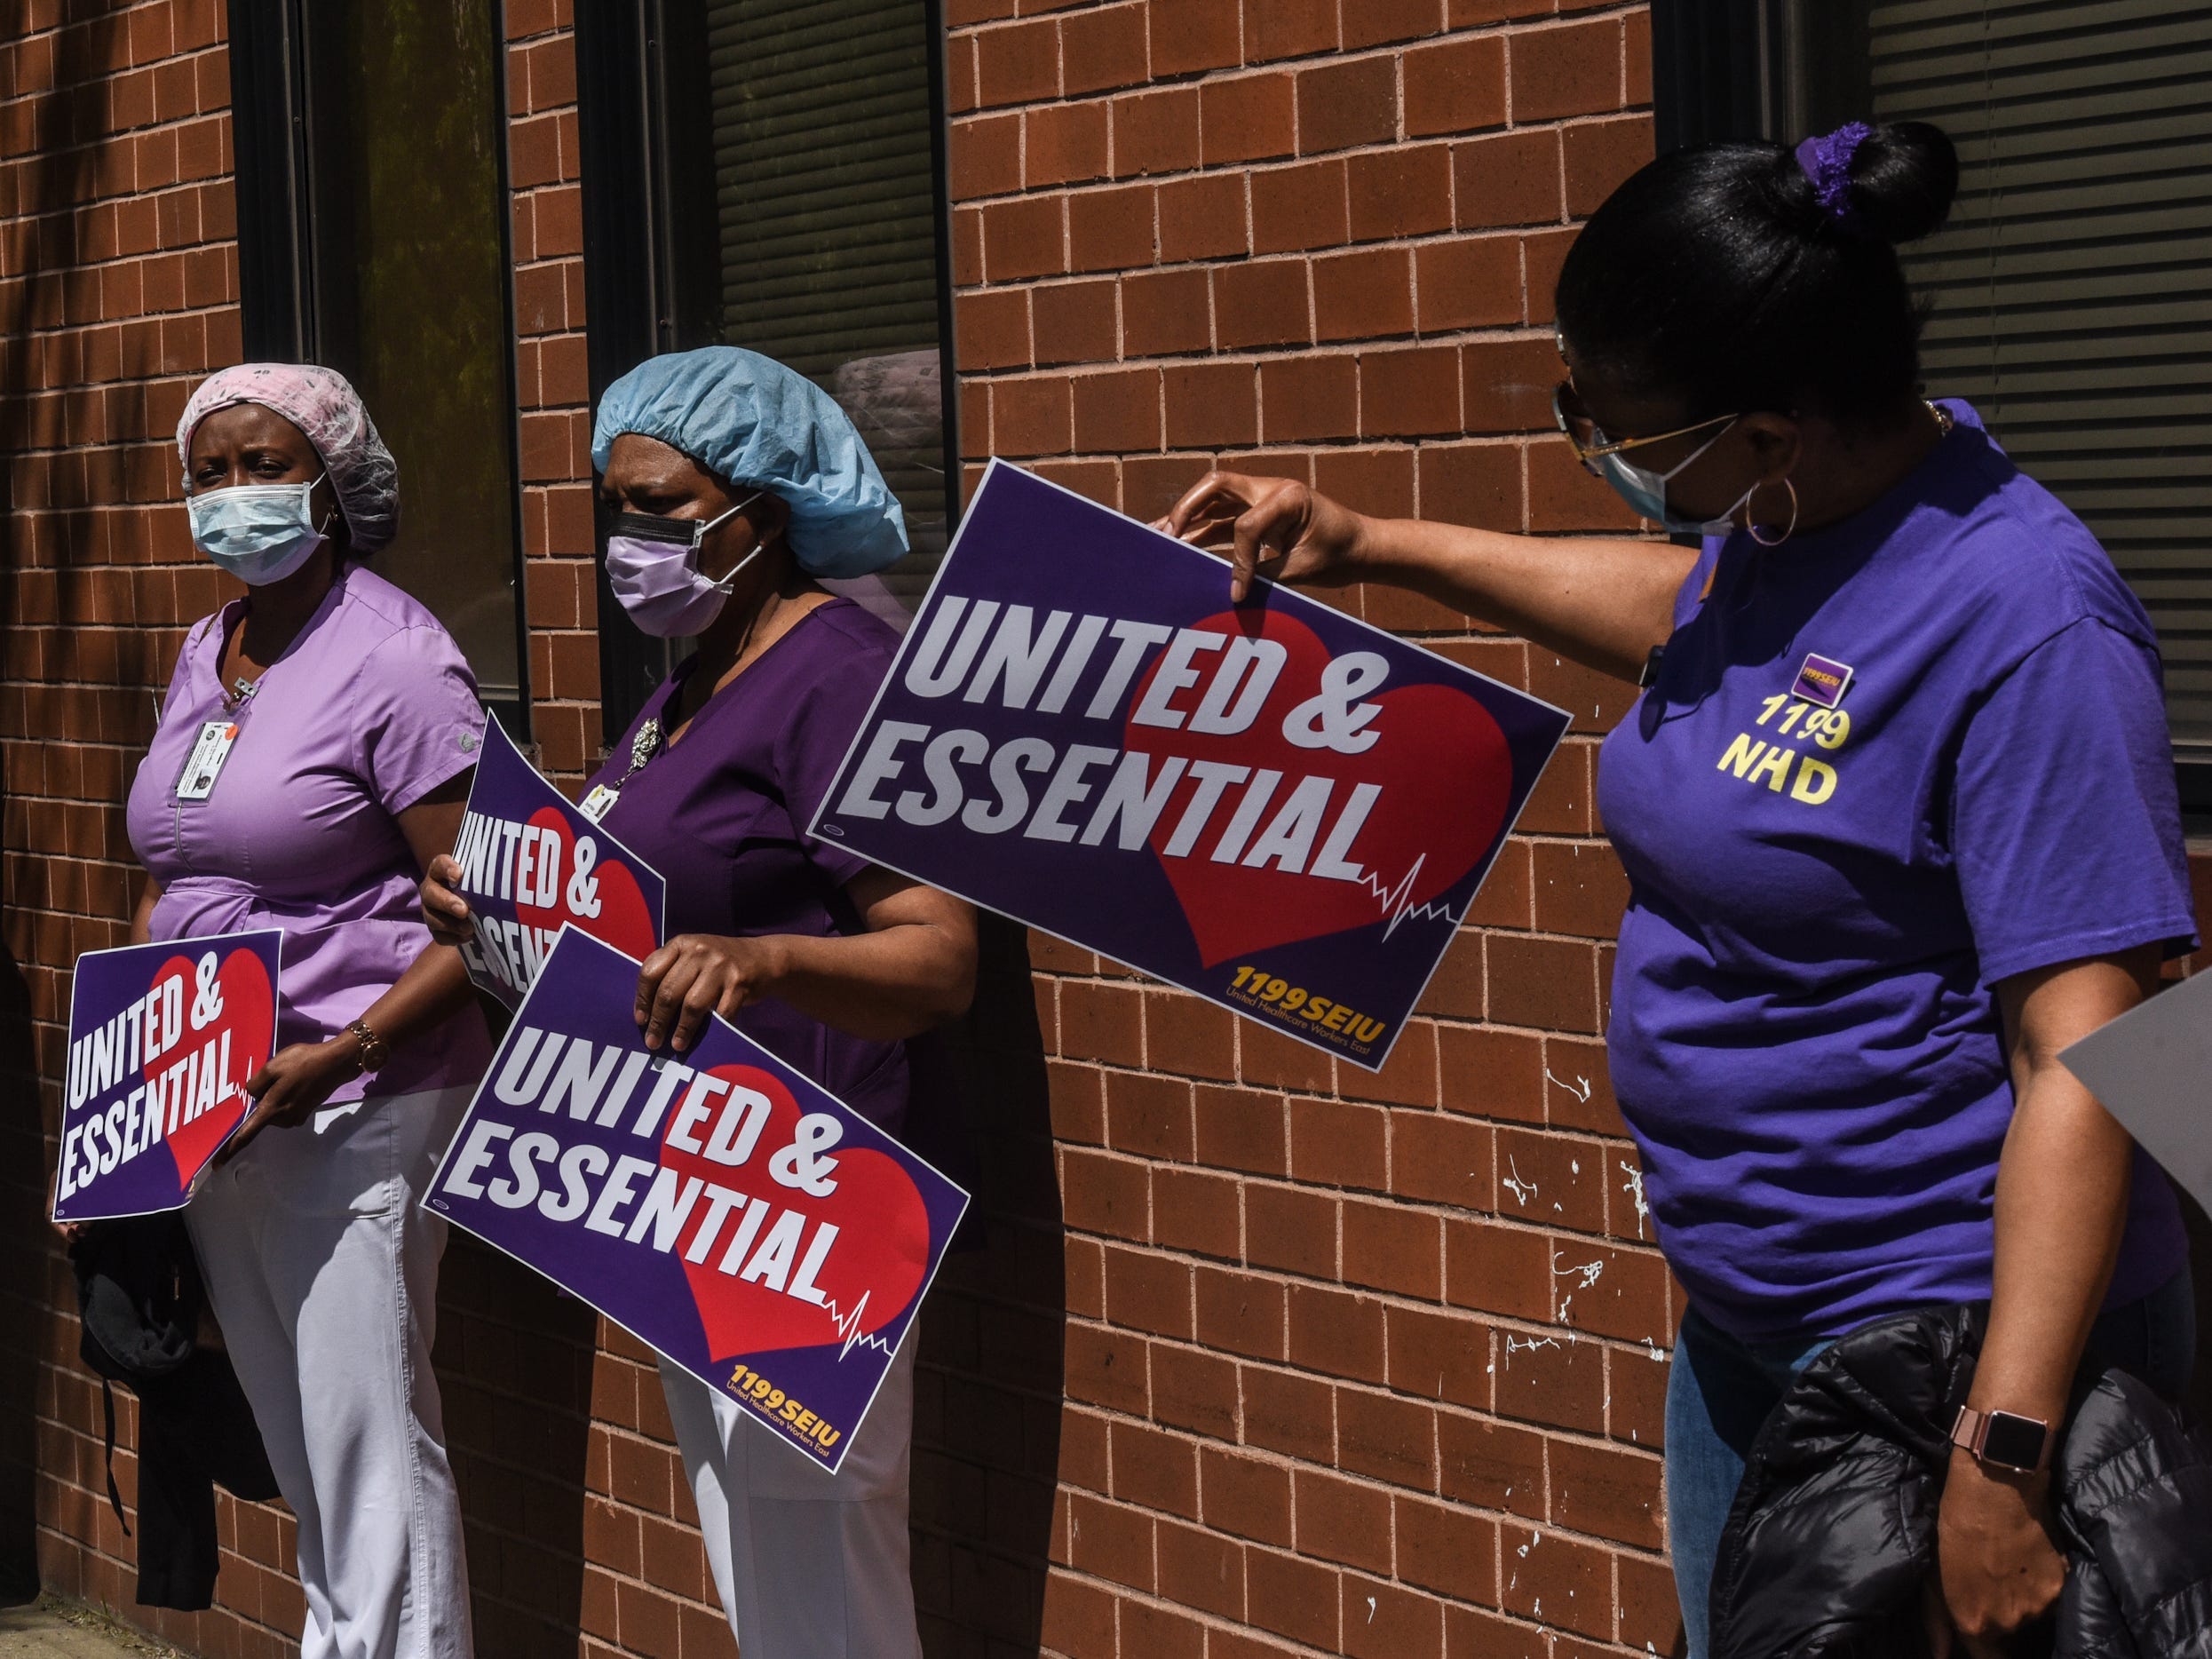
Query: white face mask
[653, 565]
[261, 533]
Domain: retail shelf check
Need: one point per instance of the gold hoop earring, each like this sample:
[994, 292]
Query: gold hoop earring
[1788, 530]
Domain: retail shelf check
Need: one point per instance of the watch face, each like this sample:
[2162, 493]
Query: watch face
[2015, 1442]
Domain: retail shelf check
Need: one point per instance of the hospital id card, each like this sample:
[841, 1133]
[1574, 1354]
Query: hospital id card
[205, 763]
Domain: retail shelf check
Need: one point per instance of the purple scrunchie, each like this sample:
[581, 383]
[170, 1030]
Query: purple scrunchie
[1826, 161]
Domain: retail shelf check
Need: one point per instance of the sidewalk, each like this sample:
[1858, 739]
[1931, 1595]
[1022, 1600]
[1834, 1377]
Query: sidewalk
[50, 1629]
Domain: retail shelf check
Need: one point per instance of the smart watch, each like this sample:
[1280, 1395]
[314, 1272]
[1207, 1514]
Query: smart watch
[2004, 1437]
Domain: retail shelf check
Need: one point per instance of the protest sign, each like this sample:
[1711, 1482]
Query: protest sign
[531, 864]
[719, 1206]
[1273, 805]
[2152, 1069]
[162, 1041]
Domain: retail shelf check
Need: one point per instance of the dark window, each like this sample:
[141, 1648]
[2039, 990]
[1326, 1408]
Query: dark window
[373, 238]
[2067, 292]
[769, 173]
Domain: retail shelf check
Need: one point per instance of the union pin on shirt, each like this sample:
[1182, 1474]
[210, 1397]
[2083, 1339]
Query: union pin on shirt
[1822, 680]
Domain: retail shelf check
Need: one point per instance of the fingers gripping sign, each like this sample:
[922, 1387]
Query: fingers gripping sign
[694, 975]
[527, 863]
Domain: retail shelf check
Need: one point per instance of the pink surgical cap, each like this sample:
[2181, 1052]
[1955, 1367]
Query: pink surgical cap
[327, 410]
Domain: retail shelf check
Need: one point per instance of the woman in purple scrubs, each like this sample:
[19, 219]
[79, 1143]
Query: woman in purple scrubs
[1898, 811]
[738, 484]
[313, 754]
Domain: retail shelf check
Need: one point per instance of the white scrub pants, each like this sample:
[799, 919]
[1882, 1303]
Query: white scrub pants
[809, 1565]
[324, 1272]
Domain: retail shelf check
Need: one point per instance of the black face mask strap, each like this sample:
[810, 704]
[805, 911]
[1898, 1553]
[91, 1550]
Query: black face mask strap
[650, 526]
[647, 526]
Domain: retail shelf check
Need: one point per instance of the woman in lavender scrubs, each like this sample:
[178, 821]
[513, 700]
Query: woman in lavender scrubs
[313, 754]
[739, 484]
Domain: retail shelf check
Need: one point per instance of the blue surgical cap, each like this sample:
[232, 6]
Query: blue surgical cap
[750, 420]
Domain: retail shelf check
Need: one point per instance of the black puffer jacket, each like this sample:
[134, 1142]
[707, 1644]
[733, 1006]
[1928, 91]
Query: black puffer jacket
[1833, 1529]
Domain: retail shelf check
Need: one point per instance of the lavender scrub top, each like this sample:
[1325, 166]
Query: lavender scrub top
[1804, 1037]
[722, 814]
[367, 712]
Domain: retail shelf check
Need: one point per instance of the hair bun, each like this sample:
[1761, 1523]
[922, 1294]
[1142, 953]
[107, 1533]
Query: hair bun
[1903, 180]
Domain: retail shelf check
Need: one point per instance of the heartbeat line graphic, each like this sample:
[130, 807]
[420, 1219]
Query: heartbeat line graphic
[1394, 898]
[849, 1329]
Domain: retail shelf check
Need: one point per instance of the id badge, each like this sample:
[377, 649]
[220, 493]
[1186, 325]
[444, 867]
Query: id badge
[205, 763]
[598, 802]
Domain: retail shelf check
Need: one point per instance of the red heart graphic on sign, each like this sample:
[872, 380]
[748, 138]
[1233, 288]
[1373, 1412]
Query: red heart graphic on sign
[247, 1017]
[1418, 840]
[873, 1271]
[623, 920]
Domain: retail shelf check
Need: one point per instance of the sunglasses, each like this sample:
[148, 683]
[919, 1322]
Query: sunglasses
[1588, 438]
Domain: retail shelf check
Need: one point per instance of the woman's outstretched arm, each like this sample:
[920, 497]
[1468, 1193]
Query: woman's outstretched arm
[1604, 603]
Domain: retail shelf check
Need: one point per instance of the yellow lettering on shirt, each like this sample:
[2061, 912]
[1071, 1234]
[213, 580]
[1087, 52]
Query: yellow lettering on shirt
[1815, 782]
[1741, 753]
[1804, 779]
[1774, 768]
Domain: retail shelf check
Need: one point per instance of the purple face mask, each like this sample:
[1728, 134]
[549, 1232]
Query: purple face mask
[653, 565]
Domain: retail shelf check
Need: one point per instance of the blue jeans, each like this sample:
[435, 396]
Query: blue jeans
[1720, 1391]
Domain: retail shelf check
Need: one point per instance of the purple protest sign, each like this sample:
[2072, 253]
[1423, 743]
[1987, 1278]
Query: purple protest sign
[532, 863]
[1273, 805]
[721, 1207]
[162, 1041]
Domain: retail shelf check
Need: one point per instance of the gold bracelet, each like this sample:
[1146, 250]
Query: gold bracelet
[374, 1051]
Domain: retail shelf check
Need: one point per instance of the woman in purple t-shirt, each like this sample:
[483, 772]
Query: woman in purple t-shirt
[313, 756]
[738, 485]
[1897, 807]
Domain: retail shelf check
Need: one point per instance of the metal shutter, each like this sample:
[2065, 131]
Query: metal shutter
[826, 201]
[2071, 299]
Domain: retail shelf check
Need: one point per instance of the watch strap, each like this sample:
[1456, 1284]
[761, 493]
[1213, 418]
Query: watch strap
[2004, 1438]
[375, 1051]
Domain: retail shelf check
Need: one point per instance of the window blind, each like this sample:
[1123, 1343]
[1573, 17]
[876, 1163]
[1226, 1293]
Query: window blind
[2070, 299]
[825, 202]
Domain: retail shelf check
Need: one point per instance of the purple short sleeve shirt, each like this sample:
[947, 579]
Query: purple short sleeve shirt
[722, 815]
[370, 710]
[1832, 862]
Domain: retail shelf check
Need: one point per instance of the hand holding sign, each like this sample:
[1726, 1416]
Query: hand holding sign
[1273, 805]
[742, 1221]
[528, 863]
[1276, 528]
[162, 1041]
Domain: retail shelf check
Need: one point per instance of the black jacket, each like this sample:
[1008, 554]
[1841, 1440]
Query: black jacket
[139, 1291]
[1833, 1529]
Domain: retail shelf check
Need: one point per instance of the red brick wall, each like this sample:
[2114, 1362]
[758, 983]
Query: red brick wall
[1260, 1355]
[118, 291]
[1353, 1364]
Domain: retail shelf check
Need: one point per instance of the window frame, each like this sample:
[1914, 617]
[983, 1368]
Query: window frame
[1746, 69]
[639, 293]
[271, 109]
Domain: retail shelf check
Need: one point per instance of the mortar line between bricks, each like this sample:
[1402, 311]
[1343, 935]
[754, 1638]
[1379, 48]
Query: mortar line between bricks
[1356, 345]
[1587, 1438]
[1211, 1620]
[1517, 1324]
[1068, 189]
[1504, 30]
[1267, 163]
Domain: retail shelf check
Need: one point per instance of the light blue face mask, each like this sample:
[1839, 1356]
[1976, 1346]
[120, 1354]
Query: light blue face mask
[261, 533]
[1645, 491]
